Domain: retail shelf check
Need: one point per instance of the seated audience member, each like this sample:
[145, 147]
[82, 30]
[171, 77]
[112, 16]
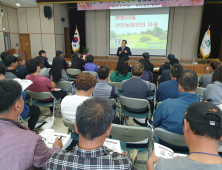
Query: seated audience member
[20, 147]
[213, 91]
[41, 84]
[166, 65]
[202, 132]
[165, 76]
[147, 75]
[146, 57]
[29, 111]
[2, 72]
[3, 55]
[44, 72]
[126, 59]
[77, 62]
[6, 75]
[12, 62]
[32, 112]
[206, 78]
[121, 73]
[93, 124]
[59, 54]
[169, 89]
[103, 89]
[90, 66]
[57, 73]
[170, 113]
[21, 68]
[42, 54]
[135, 87]
[85, 83]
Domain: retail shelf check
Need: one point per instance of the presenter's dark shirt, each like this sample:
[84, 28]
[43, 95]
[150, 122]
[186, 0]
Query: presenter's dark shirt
[78, 63]
[123, 53]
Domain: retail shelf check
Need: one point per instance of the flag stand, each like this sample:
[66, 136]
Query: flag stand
[197, 57]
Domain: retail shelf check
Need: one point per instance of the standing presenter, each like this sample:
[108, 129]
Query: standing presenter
[123, 50]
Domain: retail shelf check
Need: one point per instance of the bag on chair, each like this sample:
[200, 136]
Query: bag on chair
[49, 123]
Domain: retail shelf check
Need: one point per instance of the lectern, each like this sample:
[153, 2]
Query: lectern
[19, 52]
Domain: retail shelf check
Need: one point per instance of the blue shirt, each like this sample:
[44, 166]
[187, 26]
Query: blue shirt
[63, 61]
[25, 112]
[46, 64]
[91, 67]
[22, 69]
[167, 89]
[170, 114]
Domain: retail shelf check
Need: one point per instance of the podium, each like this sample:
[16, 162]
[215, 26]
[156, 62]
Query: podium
[19, 52]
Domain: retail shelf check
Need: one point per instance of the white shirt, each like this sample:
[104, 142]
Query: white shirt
[69, 105]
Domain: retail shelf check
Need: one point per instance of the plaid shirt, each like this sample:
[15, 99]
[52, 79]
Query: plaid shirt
[101, 158]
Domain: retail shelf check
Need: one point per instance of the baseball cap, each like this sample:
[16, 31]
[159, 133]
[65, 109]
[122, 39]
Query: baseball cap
[10, 59]
[196, 112]
[170, 56]
[58, 52]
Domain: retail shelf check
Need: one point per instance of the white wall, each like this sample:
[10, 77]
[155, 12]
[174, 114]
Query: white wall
[183, 33]
[60, 11]
[47, 34]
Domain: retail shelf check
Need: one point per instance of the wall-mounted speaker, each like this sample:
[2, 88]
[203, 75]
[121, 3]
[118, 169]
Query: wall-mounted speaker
[63, 19]
[48, 12]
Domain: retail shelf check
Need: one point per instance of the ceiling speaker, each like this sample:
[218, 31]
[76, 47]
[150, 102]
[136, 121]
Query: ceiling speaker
[48, 12]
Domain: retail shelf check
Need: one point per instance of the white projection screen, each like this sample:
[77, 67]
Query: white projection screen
[144, 29]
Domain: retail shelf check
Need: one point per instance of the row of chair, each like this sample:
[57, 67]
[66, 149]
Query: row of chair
[73, 73]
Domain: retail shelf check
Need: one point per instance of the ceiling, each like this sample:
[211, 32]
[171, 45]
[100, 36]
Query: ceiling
[23, 3]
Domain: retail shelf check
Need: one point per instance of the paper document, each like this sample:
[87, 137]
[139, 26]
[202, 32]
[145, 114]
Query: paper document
[49, 136]
[164, 152]
[24, 83]
[113, 145]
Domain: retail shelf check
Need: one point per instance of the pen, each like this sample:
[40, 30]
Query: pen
[60, 137]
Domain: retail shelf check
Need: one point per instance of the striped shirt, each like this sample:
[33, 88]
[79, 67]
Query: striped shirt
[97, 159]
[21, 148]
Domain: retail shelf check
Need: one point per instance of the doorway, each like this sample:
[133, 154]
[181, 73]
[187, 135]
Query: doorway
[7, 41]
[67, 43]
[25, 44]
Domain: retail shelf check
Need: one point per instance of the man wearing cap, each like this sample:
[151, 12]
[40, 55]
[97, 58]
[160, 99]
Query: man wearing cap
[202, 132]
[165, 76]
[170, 113]
[146, 56]
[59, 54]
[11, 63]
[167, 64]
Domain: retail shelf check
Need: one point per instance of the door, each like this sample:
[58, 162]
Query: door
[67, 43]
[25, 44]
[7, 41]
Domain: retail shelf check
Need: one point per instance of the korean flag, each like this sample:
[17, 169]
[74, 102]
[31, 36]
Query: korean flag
[76, 41]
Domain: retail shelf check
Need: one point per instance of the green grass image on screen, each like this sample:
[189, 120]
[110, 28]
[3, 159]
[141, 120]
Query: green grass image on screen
[134, 41]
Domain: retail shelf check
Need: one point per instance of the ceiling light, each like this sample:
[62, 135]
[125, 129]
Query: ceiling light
[17, 4]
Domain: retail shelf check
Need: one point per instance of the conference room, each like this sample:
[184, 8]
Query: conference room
[110, 84]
